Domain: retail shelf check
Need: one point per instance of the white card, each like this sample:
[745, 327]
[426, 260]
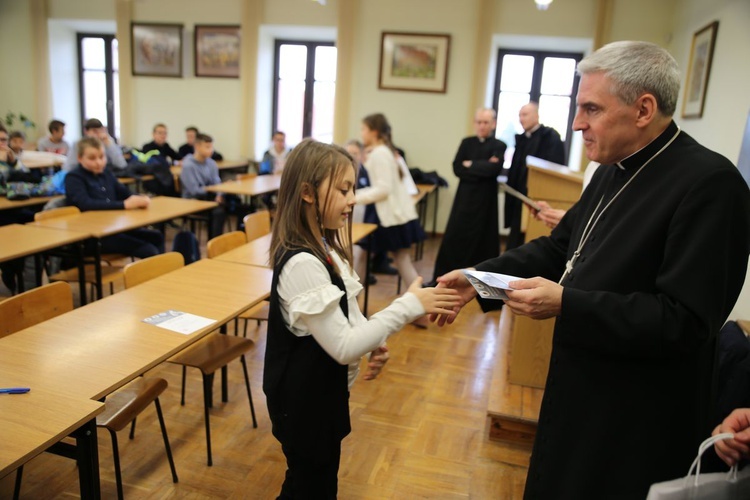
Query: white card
[178, 321]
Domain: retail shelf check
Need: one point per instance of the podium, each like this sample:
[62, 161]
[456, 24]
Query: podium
[531, 343]
[525, 345]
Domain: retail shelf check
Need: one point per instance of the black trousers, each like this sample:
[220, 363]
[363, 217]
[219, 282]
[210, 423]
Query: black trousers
[311, 479]
[141, 243]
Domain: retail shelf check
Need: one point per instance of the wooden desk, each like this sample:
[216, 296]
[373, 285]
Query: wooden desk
[420, 200]
[33, 422]
[91, 351]
[532, 339]
[41, 159]
[6, 204]
[253, 186]
[255, 253]
[23, 240]
[102, 223]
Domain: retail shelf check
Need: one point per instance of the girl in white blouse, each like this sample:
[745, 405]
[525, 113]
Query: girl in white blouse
[316, 332]
[398, 223]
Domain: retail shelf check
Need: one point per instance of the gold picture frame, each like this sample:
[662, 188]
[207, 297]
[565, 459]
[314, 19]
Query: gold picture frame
[217, 51]
[414, 61]
[698, 71]
[156, 49]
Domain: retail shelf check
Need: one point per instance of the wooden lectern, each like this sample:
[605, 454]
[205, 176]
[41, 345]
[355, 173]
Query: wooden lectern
[531, 343]
[518, 378]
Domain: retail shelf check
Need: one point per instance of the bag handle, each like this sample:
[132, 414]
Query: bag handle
[705, 445]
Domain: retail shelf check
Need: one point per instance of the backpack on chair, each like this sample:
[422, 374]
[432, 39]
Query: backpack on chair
[186, 243]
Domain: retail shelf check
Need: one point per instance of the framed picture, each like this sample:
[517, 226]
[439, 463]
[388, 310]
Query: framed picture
[217, 51]
[414, 61]
[157, 49]
[698, 71]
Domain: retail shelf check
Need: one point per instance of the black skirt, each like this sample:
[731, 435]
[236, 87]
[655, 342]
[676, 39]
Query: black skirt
[393, 238]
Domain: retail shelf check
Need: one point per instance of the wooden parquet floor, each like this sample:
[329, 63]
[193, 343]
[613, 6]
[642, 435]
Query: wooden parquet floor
[419, 430]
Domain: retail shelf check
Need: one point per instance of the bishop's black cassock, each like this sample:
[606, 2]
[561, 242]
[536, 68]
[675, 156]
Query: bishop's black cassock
[472, 234]
[628, 395]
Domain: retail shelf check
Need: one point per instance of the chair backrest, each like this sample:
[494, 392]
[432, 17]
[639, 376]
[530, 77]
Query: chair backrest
[32, 307]
[257, 224]
[137, 272]
[56, 212]
[248, 175]
[225, 242]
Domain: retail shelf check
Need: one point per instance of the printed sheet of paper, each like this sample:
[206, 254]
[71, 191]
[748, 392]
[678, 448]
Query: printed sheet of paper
[490, 285]
[178, 321]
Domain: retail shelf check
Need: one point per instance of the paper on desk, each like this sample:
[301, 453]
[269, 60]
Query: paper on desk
[490, 285]
[178, 321]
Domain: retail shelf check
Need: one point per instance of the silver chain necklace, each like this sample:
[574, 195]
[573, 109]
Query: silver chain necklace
[595, 218]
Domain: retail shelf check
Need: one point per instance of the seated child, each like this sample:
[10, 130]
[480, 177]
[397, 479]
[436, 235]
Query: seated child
[17, 142]
[95, 128]
[188, 148]
[90, 186]
[274, 159]
[199, 171]
[54, 143]
[160, 143]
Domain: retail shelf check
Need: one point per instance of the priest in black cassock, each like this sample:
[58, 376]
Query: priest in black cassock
[640, 275]
[536, 140]
[472, 234]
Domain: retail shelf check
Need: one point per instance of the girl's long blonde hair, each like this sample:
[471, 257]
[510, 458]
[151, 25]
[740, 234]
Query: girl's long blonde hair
[307, 166]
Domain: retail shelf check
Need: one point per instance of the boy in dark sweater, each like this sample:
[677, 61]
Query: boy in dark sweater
[90, 186]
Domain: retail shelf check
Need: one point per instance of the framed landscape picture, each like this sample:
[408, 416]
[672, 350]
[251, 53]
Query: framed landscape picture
[698, 71]
[217, 51]
[157, 49]
[414, 61]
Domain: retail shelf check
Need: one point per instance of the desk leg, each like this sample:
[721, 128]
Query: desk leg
[367, 272]
[87, 457]
[224, 382]
[81, 273]
[435, 211]
[98, 269]
[38, 268]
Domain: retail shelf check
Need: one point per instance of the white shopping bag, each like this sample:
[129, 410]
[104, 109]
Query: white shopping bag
[715, 486]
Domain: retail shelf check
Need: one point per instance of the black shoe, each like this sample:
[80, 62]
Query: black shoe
[385, 269]
[371, 279]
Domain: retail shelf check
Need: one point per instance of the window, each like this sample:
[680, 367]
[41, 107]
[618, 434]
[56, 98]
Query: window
[548, 78]
[304, 90]
[98, 80]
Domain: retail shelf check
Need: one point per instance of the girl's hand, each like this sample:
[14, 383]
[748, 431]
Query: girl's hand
[435, 300]
[378, 358]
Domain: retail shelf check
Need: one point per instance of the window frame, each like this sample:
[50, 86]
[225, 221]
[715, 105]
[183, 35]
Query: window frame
[311, 45]
[108, 76]
[536, 82]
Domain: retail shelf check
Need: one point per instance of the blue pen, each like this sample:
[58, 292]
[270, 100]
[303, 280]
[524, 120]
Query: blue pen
[14, 390]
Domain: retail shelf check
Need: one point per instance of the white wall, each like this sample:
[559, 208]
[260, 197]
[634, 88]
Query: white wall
[16, 61]
[727, 96]
[66, 103]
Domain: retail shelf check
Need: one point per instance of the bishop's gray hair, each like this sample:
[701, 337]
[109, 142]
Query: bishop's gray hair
[636, 68]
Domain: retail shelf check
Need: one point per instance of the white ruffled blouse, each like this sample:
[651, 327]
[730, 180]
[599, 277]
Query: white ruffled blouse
[310, 306]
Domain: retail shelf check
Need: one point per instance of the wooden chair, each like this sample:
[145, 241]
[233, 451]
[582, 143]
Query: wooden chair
[122, 407]
[256, 225]
[209, 354]
[136, 273]
[110, 273]
[39, 304]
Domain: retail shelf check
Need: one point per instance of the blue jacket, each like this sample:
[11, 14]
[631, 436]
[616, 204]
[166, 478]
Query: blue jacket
[89, 191]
